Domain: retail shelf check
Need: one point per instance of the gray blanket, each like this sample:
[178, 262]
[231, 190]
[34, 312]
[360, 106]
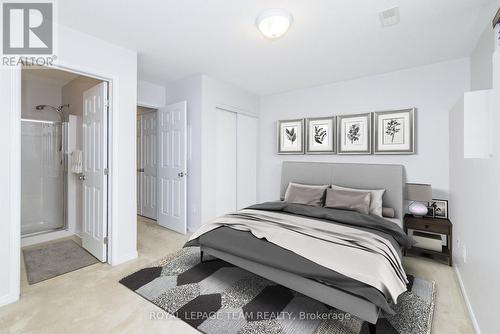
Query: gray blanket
[245, 245]
[370, 223]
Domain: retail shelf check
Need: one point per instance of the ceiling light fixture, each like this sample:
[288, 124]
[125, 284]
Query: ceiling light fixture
[274, 23]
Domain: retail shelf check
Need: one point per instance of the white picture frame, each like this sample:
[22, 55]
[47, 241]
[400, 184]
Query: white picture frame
[321, 135]
[394, 132]
[291, 136]
[354, 134]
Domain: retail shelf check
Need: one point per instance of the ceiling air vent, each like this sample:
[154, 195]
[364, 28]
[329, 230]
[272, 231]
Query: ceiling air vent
[389, 17]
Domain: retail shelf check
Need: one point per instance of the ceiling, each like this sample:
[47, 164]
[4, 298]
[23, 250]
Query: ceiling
[330, 40]
[55, 76]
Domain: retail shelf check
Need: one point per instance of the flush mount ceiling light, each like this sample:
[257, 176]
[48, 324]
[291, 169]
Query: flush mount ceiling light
[274, 23]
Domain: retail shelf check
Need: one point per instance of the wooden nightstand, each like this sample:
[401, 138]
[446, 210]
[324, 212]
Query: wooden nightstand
[431, 225]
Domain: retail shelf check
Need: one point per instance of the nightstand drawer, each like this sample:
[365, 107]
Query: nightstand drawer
[428, 225]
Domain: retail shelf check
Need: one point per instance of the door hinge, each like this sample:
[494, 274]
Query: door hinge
[106, 171]
[106, 103]
[106, 240]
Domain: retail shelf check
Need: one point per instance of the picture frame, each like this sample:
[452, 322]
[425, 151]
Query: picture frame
[440, 207]
[394, 131]
[291, 136]
[321, 135]
[354, 134]
[430, 212]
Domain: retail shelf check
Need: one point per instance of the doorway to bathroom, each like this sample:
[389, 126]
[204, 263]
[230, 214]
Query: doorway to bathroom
[64, 160]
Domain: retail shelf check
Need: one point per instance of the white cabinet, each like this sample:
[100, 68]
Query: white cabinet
[478, 125]
[480, 110]
[235, 161]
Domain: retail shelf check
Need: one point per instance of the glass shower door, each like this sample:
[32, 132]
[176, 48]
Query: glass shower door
[42, 177]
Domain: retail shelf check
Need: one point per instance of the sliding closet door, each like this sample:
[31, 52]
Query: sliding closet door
[246, 161]
[225, 157]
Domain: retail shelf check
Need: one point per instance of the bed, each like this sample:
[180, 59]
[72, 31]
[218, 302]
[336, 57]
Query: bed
[284, 267]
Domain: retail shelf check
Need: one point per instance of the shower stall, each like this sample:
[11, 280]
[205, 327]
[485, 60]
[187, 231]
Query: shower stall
[43, 174]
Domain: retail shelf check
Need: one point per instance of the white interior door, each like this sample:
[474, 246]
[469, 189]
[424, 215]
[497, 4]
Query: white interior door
[149, 168]
[246, 161]
[172, 166]
[94, 177]
[225, 162]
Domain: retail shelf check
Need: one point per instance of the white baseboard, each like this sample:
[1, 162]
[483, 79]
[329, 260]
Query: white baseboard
[8, 299]
[467, 302]
[125, 258]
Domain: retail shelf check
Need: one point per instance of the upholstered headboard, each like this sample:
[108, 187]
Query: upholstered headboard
[362, 176]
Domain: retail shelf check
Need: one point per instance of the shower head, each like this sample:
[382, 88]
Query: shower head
[59, 109]
[45, 106]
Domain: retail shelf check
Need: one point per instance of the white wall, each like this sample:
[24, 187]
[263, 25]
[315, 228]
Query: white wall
[203, 94]
[10, 187]
[475, 195]
[481, 65]
[35, 91]
[150, 95]
[87, 54]
[432, 89]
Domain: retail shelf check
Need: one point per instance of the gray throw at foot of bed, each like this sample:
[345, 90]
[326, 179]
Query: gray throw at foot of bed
[217, 297]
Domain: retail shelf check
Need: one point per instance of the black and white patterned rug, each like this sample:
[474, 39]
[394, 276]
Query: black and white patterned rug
[217, 297]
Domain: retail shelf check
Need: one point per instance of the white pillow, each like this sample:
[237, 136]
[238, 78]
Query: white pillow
[376, 200]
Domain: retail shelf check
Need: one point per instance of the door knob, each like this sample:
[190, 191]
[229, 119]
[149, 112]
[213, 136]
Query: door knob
[181, 174]
[82, 177]
[141, 170]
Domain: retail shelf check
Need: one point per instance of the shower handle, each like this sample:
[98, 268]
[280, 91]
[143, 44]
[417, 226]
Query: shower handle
[82, 177]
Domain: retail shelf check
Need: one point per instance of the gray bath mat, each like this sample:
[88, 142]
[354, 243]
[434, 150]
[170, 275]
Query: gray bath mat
[55, 259]
[216, 297]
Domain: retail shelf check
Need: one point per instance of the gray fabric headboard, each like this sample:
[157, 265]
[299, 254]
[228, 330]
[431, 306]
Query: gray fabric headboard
[362, 176]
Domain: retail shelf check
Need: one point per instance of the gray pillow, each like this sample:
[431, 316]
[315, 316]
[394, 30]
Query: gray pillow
[348, 200]
[375, 202]
[388, 212]
[305, 194]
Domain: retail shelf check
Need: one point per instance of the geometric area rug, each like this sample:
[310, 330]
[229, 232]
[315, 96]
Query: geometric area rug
[217, 297]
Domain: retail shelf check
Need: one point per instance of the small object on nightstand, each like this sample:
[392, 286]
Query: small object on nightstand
[418, 193]
[434, 226]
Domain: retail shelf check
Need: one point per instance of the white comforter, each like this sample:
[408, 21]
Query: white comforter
[355, 253]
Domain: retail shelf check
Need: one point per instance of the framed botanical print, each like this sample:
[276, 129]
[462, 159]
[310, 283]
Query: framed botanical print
[320, 135]
[291, 136]
[394, 132]
[354, 134]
